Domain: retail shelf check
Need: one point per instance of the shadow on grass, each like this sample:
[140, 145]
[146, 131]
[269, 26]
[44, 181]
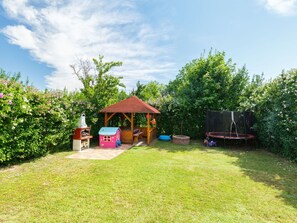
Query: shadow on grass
[29, 159]
[258, 165]
[171, 147]
[198, 145]
[267, 168]
[34, 158]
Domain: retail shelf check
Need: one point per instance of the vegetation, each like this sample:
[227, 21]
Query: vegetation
[37, 122]
[207, 83]
[275, 106]
[214, 83]
[150, 92]
[100, 88]
[162, 183]
[32, 122]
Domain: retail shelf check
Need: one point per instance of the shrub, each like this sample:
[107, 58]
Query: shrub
[33, 122]
[276, 111]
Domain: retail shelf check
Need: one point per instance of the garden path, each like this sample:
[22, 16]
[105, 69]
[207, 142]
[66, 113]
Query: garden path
[98, 153]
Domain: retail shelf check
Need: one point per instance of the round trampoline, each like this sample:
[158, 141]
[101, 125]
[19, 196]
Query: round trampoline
[227, 135]
[230, 125]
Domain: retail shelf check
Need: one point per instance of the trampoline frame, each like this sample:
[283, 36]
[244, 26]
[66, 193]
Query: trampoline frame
[226, 135]
[245, 135]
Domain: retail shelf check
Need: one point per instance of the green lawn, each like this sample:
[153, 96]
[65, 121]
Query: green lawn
[162, 183]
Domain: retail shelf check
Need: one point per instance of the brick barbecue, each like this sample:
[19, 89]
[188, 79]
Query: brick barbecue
[81, 138]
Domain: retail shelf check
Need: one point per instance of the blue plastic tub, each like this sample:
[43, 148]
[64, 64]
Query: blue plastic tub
[164, 138]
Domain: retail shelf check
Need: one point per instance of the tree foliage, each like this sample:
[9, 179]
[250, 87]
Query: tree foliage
[149, 92]
[210, 82]
[100, 88]
[275, 106]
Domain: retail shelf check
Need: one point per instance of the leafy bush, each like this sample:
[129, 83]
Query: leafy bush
[276, 111]
[33, 122]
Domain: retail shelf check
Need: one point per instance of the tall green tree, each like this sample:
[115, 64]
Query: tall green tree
[252, 93]
[100, 87]
[149, 92]
[210, 82]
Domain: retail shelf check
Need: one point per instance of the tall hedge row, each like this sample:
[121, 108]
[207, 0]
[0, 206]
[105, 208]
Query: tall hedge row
[276, 111]
[33, 122]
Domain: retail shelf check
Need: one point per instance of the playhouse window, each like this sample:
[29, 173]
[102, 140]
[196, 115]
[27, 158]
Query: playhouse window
[107, 138]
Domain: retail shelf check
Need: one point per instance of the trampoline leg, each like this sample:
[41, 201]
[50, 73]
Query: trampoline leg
[256, 142]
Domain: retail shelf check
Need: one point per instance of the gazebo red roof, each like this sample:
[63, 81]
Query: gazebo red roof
[130, 105]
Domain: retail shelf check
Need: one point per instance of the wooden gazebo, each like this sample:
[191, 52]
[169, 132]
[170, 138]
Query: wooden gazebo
[128, 108]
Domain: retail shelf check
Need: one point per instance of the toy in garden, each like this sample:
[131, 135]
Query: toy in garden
[164, 138]
[212, 143]
[109, 137]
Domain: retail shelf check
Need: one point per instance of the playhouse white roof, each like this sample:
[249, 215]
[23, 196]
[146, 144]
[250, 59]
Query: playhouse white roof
[108, 131]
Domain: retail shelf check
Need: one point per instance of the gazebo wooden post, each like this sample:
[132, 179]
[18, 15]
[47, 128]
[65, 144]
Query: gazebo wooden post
[155, 126]
[148, 129]
[155, 134]
[105, 119]
[132, 126]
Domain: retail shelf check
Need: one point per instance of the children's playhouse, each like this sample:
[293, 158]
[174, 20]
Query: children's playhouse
[109, 137]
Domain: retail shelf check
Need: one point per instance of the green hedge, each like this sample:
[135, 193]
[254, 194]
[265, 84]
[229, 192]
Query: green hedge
[276, 111]
[33, 122]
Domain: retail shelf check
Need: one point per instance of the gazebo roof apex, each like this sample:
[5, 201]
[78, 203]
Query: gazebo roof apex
[130, 105]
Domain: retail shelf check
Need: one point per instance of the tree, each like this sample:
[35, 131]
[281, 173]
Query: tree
[206, 83]
[100, 88]
[252, 92]
[150, 92]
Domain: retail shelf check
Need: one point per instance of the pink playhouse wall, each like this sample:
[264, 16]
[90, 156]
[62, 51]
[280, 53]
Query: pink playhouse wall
[108, 140]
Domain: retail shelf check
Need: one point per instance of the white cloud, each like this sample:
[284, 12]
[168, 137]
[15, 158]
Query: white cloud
[27, 41]
[283, 7]
[59, 32]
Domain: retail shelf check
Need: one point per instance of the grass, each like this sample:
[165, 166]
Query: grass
[162, 183]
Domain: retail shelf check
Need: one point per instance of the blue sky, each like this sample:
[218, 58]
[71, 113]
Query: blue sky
[153, 38]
